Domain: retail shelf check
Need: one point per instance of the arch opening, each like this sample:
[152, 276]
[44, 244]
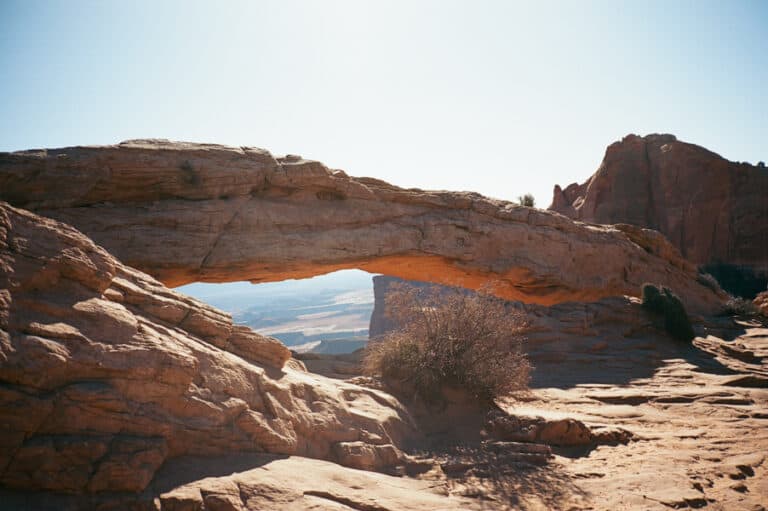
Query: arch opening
[326, 314]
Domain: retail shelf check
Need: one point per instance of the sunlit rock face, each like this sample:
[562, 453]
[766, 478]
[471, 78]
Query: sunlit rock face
[713, 210]
[192, 212]
[105, 374]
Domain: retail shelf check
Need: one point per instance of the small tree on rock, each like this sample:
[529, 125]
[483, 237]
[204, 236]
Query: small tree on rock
[527, 200]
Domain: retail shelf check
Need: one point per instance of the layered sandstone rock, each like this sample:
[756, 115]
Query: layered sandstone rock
[713, 210]
[190, 212]
[105, 374]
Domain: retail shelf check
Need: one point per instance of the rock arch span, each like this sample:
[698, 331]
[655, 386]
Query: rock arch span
[196, 212]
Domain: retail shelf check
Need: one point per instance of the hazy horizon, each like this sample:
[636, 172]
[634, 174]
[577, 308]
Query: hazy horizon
[336, 306]
[501, 98]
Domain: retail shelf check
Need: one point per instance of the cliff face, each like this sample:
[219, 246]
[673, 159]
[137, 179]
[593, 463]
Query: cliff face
[713, 210]
[191, 212]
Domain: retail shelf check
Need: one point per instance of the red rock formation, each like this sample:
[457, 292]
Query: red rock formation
[105, 374]
[713, 210]
[188, 212]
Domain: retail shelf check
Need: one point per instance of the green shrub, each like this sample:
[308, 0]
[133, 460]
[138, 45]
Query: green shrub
[664, 302]
[527, 200]
[450, 338]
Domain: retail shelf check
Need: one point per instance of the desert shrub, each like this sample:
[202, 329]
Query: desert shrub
[664, 302]
[450, 337]
[527, 200]
[737, 306]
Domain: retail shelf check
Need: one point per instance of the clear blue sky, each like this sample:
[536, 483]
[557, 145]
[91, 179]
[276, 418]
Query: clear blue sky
[498, 97]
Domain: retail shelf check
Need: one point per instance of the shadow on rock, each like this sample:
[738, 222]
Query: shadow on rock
[173, 474]
[613, 342]
[518, 477]
[186, 469]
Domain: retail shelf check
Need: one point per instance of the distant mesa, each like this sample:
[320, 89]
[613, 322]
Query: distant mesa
[713, 210]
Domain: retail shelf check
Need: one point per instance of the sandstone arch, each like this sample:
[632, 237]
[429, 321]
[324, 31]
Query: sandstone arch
[194, 212]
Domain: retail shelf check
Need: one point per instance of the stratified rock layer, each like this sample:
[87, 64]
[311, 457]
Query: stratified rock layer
[105, 374]
[190, 212]
[713, 210]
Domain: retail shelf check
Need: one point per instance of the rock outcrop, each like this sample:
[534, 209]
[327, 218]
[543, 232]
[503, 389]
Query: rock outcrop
[189, 212]
[713, 210]
[105, 374]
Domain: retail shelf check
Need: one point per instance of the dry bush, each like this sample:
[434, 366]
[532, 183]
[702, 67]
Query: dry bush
[450, 337]
[527, 200]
